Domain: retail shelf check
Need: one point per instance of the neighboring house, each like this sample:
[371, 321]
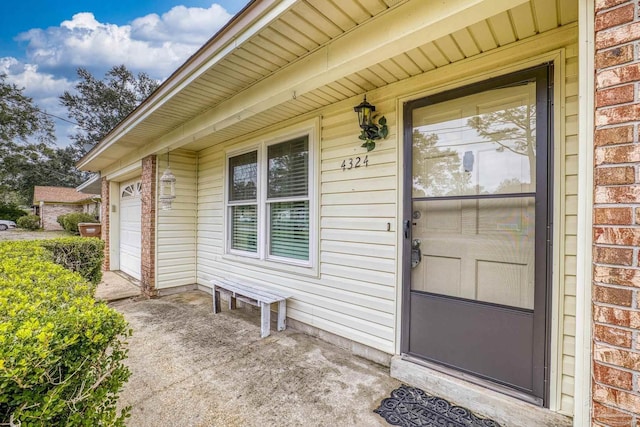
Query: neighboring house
[51, 202]
[471, 250]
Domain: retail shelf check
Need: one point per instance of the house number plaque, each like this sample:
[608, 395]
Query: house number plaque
[354, 162]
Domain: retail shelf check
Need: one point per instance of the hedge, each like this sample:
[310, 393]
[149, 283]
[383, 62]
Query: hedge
[29, 222]
[61, 351]
[81, 254]
[70, 221]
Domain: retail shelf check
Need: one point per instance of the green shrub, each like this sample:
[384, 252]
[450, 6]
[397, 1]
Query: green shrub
[29, 222]
[11, 212]
[60, 220]
[70, 221]
[80, 254]
[61, 352]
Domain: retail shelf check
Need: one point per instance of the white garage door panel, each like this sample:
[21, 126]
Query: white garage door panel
[130, 226]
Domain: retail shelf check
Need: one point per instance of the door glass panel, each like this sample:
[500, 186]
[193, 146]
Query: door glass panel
[478, 248]
[479, 144]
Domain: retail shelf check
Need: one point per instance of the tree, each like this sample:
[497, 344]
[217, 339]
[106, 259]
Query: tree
[437, 170]
[40, 165]
[99, 105]
[25, 133]
[20, 118]
[56, 168]
[512, 129]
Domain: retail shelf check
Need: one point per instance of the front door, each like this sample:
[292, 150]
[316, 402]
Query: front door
[477, 231]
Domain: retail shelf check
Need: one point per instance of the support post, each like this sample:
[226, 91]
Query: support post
[265, 315]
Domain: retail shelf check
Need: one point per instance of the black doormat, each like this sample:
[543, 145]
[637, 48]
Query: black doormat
[412, 407]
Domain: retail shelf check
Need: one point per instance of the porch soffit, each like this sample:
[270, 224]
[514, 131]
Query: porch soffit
[327, 52]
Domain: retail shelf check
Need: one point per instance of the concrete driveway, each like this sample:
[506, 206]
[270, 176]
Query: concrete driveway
[193, 368]
[19, 234]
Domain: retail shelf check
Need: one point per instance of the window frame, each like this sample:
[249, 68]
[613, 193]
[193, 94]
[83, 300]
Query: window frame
[229, 204]
[262, 257]
[270, 201]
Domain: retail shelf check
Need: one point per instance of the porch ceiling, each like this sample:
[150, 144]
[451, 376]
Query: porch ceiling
[296, 35]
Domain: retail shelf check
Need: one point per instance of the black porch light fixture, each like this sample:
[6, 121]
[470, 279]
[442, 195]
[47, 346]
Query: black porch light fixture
[370, 131]
[365, 113]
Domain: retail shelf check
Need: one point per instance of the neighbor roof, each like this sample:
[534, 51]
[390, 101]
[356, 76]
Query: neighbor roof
[59, 195]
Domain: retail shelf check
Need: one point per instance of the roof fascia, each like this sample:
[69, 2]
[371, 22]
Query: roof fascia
[95, 178]
[397, 30]
[249, 21]
[120, 173]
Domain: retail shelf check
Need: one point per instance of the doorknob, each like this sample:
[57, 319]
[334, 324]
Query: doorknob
[416, 253]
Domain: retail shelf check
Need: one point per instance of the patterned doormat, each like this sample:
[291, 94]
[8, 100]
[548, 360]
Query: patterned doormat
[412, 407]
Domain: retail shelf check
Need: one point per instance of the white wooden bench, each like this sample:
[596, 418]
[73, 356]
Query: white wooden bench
[254, 295]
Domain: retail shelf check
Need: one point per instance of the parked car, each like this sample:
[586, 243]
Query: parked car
[6, 224]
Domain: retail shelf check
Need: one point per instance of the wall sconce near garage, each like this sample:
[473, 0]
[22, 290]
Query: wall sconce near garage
[167, 187]
[370, 131]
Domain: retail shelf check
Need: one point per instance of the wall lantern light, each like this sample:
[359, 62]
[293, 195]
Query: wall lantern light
[370, 131]
[365, 113]
[167, 188]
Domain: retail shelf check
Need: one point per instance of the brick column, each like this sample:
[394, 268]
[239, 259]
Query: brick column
[148, 226]
[616, 215]
[105, 220]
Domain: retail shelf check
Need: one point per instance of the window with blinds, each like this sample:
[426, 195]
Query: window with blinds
[280, 192]
[288, 199]
[243, 201]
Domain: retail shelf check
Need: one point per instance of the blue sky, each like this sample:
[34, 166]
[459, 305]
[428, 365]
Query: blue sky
[43, 42]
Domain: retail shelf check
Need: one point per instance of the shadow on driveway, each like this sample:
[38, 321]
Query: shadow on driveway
[193, 368]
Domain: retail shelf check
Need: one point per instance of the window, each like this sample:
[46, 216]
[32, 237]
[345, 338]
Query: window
[243, 201]
[268, 202]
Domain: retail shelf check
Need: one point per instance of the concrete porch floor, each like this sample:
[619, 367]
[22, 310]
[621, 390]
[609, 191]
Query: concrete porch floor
[193, 368]
[115, 287]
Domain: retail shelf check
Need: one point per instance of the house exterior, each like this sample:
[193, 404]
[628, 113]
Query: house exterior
[51, 202]
[486, 249]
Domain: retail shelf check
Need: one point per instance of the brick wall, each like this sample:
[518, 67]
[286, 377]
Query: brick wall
[105, 208]
[616, 215]
[50, 212]
[148, 225]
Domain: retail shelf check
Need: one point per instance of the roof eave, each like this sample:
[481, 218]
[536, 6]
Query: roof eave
[246, 21]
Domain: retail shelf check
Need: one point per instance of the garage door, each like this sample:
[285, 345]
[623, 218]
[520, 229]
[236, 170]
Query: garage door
[130, 225]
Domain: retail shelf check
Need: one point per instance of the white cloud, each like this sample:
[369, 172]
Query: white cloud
[44, 88]
[154, 44]
[36, 84]
[181, 24]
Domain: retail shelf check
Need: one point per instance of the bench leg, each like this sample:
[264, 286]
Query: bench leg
[232, 302]
[282, 315]
[265, 315]
[216, 300]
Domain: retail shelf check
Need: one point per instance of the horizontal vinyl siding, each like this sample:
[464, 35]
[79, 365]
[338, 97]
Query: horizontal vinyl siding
[176, 237]
[210, 206]
[356, 206]
[353, 294]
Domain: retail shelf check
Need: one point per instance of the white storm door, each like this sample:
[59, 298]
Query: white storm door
[130, 229]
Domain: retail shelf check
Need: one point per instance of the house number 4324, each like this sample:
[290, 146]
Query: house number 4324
[354, 162]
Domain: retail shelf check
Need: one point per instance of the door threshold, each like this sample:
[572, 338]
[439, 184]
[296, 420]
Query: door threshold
[506, 410]
[475, 380]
